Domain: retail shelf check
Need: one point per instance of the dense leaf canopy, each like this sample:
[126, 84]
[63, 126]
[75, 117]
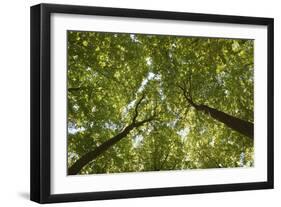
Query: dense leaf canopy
[115, 80]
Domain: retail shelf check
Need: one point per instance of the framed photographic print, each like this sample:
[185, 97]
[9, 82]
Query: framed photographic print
[132, 103]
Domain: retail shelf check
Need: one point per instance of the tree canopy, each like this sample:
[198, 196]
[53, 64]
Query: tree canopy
[139, 102]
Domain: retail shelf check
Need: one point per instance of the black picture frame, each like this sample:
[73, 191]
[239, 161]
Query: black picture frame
[41, 96]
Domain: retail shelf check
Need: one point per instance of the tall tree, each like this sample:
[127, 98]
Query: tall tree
[244, 127]
[90, 156]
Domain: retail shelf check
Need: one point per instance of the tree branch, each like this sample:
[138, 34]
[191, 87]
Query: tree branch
[90, 156]
[71, 89]
[187, 96]
[137, 107]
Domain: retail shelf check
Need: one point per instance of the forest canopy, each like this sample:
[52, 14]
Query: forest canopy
[139, 102]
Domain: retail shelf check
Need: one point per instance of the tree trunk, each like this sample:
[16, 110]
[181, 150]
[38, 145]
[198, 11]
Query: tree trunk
[88, 157]
[244, 127]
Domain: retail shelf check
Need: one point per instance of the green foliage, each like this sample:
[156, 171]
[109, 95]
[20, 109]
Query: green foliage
[108, 73]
